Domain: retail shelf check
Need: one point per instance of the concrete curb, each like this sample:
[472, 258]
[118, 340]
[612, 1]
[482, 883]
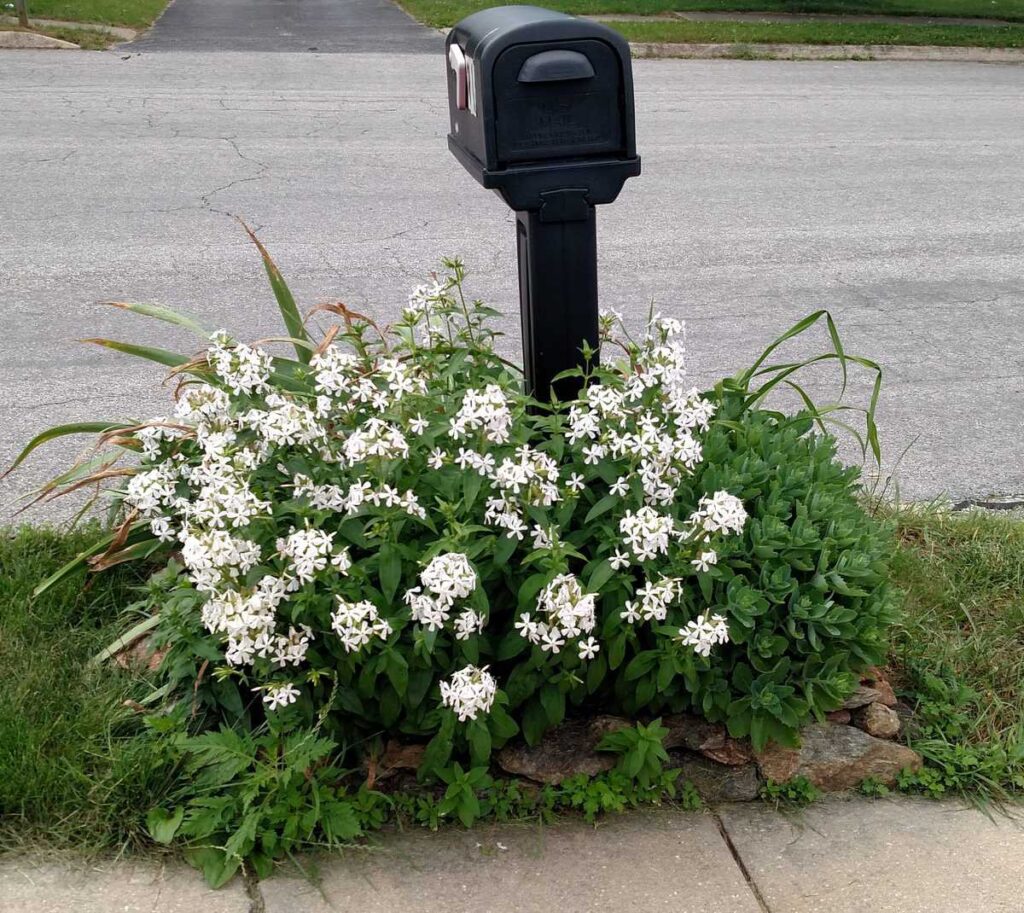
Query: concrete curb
[829, 52]
[125, 34]
[33, 41]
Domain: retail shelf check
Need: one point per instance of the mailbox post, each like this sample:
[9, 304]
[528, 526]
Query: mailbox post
[541, 109]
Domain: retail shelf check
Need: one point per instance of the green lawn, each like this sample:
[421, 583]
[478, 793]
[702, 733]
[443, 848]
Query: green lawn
[74, 774]
[135, 14]
[820, 33]
[71, 773]
[961, 642]
[443, 13]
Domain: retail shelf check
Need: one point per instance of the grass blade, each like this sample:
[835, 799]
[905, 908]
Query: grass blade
[161, 356]
[79, 562]
[162, 313]
[285, 301]
[62, 431]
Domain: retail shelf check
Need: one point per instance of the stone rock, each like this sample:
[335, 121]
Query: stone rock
[563, 752]
[878, 720]
[401, 757]
[140, 654]
[861, 697]
[839, 717]
[906, 714]
[876, 679]
[717, 782]
[709, 739]
[835, 758]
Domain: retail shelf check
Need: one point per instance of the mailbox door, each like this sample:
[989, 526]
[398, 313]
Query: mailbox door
[556, 101]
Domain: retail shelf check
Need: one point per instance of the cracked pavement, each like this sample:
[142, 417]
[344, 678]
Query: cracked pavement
[841, 855]
[886, 192]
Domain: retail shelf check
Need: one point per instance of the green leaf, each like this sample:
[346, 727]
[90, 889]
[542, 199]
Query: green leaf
[163, 825]
[641, 664]
[129, 637]
[285, 301]
[552, 699]
[161, 356]
[506, 545]
[139, 528]
[398, 672]
[600, 576]
[217, 867]
[535, 722]
[390, 570]
[165, 314]
[603, 506]
[61, 431]
[471, 483]
[479, 743]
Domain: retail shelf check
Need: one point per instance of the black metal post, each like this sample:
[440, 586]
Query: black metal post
[557, 291]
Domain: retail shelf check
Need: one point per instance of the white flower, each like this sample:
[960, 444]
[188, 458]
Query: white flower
[619, 560]
[704, 561]
[620, 487]
[342, 562]
[720, 513]
[418, 425]
[468, 623]
[356, 623]
[469, 692]
[483, 410]
[703, 633]
[646, 532]
[575, 482]
[243, 369]
[449, 577]
[567, 612]
[375, 438]
[588, 648]
[282, 695]
[593, 454]
[334, 370]
[309, 551]
[437, 458]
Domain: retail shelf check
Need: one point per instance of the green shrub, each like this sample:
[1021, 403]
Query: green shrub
[385, 535]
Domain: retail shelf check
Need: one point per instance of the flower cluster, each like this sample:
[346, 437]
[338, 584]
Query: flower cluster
[284, 486]
[703, 633]
[357, 623]
[568, 613]
[469, 692]
[446, 578]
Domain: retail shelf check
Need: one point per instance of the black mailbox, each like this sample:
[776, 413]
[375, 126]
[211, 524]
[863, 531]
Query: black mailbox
[542, 112]
[540, 101]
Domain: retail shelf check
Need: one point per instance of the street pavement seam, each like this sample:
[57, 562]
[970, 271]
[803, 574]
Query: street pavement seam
[740, 864]
[255, 894]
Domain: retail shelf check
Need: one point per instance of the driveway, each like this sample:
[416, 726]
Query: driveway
[323, 26]
[886, 192]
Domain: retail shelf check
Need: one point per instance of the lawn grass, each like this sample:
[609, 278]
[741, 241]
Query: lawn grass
[135, 14]
[820, 33]
[74, 772]
[960, 644]
[444, 13]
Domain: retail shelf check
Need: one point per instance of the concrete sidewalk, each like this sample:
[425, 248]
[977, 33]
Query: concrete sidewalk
[840, 856]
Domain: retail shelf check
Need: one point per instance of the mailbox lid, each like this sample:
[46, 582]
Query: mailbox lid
[558, 99]
[485, 34]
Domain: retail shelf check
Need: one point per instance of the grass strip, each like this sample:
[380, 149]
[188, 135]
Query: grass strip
[444, 13]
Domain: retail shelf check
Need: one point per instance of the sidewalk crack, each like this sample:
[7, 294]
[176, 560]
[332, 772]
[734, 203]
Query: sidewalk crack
[740, 864]
[252, 889]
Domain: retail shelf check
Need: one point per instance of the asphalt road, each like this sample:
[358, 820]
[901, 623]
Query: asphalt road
[272, 26]
[889, 193]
